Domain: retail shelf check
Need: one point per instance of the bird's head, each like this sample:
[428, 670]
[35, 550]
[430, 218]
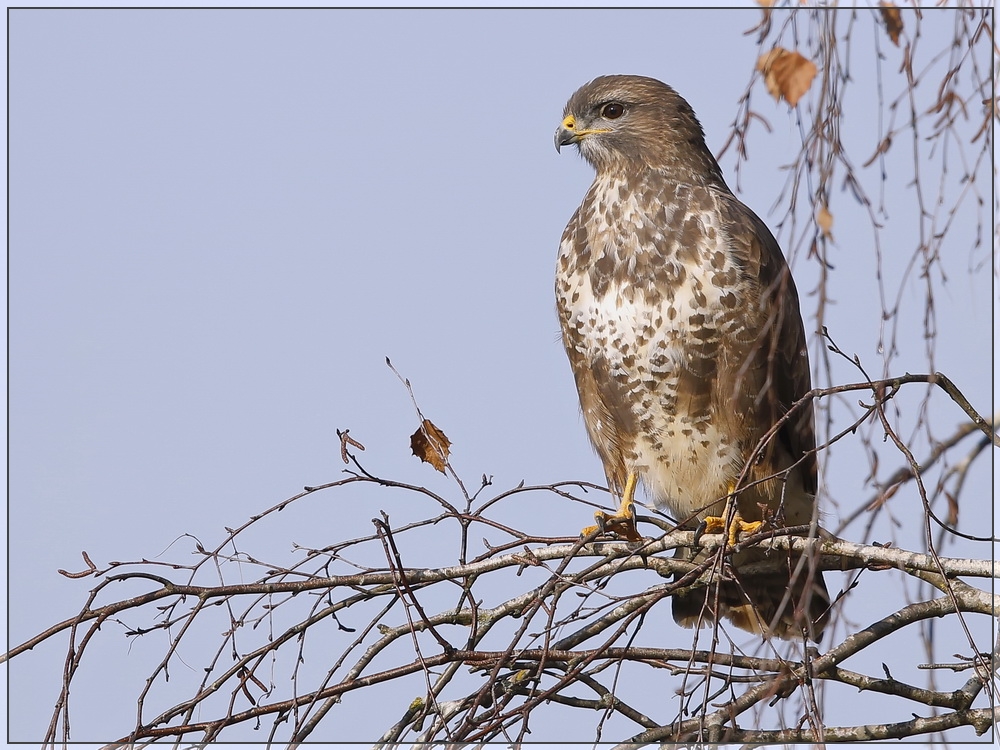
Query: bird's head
[632, 123]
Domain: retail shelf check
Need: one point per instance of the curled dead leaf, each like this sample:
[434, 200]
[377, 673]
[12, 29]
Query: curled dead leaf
[952, 518]
[787, 75]
[825, 221]
[429, 444]
[892, 19]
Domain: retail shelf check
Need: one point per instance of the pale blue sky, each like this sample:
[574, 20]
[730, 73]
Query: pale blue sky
[222, 222]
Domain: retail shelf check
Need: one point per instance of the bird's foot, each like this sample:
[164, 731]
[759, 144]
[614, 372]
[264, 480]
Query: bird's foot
[715, 524]
[621, 523]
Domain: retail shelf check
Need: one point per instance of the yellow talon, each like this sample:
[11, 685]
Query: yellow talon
[622, 522]
[739, 526]
[715, 524]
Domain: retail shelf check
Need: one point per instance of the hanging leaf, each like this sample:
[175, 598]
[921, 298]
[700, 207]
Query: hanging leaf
[892, 19]
[429, 444]
[825, 221]
[787, 75]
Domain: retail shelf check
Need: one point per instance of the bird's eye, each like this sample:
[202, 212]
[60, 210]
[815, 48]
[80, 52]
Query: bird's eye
[612, 111]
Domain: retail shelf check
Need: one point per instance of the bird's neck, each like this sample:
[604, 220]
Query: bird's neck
[673, 173]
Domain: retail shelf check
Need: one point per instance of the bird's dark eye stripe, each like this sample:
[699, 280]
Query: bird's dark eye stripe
[612, 110]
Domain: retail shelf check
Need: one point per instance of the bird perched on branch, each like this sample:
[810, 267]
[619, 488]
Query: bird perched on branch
[682, 326]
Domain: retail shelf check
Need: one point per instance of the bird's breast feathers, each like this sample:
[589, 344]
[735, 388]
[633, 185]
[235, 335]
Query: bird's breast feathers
[649, 294]
[635, 267]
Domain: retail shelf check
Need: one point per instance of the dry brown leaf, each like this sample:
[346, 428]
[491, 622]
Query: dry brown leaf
[952, 518]
[429, 444]
[787, 75]
[892, 19]
[825, 221]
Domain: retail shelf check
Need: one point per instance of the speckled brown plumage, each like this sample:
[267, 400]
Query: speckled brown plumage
[682, 327]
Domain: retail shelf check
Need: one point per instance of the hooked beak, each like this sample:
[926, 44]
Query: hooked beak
[568, 133]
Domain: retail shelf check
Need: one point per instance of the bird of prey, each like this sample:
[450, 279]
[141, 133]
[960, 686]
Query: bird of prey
[683, 330]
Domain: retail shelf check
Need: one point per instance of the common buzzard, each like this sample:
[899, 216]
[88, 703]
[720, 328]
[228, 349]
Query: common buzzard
[682, 326]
